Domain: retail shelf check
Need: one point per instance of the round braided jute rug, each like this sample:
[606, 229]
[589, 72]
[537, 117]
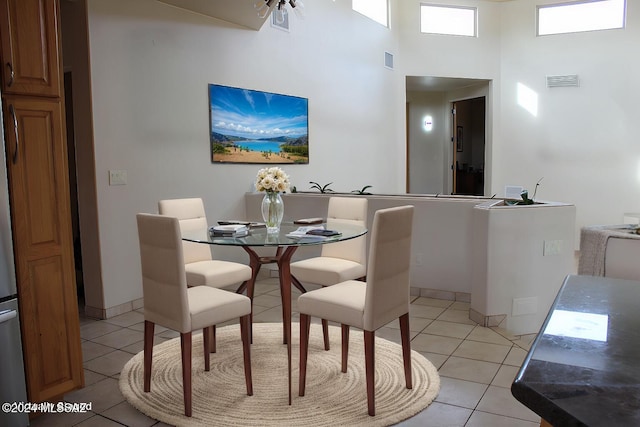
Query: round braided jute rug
[332, 398]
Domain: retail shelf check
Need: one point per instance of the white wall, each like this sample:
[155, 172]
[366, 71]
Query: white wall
[447, 56]
[460, 57]
[511, 263]
[583, 140]
[151, 63]
[150, 66]
[427, 149]
[472, 249]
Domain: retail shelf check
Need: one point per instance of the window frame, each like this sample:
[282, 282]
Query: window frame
[448, 6]
[576, 3]
[387, 24]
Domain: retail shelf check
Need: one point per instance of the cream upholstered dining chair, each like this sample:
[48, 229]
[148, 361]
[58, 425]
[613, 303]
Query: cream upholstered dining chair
[200, 266]
[368, 305]
[170, 303]
[340, 261]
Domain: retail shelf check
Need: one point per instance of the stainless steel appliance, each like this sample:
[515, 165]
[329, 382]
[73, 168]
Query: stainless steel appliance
[13, 389]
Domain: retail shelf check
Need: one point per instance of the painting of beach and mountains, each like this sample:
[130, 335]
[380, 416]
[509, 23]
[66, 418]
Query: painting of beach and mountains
[250, 126]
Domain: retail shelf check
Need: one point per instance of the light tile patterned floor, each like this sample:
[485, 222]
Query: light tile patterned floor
[476, 365]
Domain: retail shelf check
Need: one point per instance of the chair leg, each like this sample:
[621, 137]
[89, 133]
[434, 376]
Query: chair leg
[251, 288]
[325, 333]
[242, 287]
[406, 349]
[148, 353]
[297, 284]
[185, 346]
[345, 346]
[305, 322]
[206, 338]
[369, 362]
[212, 339]
[245, 325]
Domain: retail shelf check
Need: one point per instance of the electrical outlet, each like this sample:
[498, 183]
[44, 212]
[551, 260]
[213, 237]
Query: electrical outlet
[117, 177]
[522, 306]
[419, 258]
[552, 247]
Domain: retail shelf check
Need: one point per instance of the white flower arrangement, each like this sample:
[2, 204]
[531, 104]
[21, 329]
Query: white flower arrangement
[272, 180]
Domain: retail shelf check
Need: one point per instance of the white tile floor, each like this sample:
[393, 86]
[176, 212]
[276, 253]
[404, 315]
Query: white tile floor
[476, 365]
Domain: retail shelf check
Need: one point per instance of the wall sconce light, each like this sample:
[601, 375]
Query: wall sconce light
[428, 123]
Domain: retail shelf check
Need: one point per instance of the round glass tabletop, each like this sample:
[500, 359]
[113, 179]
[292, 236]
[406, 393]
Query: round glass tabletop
[289, 235]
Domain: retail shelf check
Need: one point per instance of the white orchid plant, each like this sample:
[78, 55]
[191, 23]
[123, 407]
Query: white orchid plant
[272, 180]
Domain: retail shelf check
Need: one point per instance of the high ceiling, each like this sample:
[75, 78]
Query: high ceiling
[243, 13]
[239, 12]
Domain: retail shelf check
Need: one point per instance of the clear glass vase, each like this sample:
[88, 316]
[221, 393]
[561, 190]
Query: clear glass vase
[272, 211]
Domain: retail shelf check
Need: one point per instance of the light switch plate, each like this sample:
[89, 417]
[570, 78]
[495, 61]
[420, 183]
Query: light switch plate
[117, 177]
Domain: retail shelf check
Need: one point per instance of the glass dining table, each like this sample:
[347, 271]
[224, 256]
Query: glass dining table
[285, 246]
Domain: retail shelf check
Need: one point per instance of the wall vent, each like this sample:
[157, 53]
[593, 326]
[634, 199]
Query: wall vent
[388, 60]
[563, 81]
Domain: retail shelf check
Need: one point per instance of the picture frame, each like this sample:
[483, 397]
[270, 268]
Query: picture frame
[459, 139]
[252, 126]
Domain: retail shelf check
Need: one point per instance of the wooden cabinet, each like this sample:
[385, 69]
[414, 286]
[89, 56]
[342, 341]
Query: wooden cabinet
[30, 47]
[41, 215]
[37, 167]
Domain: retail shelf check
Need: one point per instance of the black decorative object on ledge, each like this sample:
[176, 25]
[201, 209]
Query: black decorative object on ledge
[321, 188]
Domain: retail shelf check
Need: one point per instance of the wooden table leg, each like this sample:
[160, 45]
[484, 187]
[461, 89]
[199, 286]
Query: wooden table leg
[254, 263]
[284, 265]
[283, 260]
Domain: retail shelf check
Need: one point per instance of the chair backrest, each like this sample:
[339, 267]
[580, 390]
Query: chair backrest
[191, 215]
[387, 295]
[164, 283]
[347, 210]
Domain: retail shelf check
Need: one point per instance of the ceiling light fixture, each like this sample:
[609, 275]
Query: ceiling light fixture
[264, 7]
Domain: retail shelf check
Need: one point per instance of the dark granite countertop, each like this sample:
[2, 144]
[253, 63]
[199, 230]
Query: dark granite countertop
[584, 366]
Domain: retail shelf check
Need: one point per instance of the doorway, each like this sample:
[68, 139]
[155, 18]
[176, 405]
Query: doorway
[73, 182]
[75, 41]
[468, 148]
[432, 135]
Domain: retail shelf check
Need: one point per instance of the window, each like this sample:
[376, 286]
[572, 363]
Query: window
[586, 15]
[450, 20]
[378, 10]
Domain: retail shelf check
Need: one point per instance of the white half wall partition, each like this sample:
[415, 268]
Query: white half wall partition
[502, 259]
[521, 256]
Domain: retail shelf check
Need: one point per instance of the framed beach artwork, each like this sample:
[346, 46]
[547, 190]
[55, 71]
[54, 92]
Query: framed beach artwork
[250, 126]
